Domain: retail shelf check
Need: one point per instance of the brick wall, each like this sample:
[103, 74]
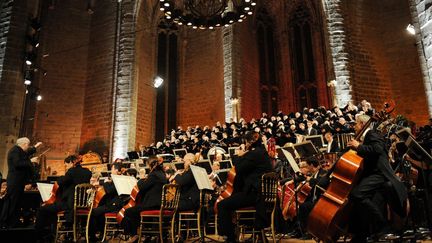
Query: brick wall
[145, 69]
[97, 117]
[13, 25]
[201, 100]
[65, 39]
[381, 68]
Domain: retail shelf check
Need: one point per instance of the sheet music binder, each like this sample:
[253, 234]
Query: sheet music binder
[124, 184]
[201, 178]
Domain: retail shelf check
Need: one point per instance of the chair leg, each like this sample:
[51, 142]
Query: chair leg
[105, 230]
[199, 224]
[172, 229]
[140, 230]
[160, 229]
[87, 227]
[74, 228]
[272, 227]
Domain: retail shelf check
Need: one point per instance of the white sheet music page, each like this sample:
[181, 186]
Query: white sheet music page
[45, 190]
[124, 184]
[201, 177]
[291, 161]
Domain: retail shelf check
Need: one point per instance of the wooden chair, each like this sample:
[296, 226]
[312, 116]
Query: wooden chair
[83, 204]
[192, 217]
[166, 214]
[268, 193]
[111, 226]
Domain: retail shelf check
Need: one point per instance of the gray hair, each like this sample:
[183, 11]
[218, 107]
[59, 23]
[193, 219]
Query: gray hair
[362, 118]
[23, 140]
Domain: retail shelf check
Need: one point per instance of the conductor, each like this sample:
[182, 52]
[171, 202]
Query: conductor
[20, 170]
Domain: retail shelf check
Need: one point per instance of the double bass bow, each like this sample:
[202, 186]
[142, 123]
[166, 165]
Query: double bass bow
[329, 216]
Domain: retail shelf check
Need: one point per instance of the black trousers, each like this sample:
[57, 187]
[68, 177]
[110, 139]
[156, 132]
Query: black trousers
[367, 215]
[9, 212]
[131, 220]
[226, 208]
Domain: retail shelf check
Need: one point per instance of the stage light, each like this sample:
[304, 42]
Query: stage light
[39, 97]
[410, 29]
[157, 82]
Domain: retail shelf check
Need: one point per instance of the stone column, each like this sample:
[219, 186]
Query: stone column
[13, 26]
[124, 100]
[421, 13]
[339, 52]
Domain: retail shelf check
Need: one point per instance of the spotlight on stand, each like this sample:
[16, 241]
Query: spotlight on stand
[28, 78]
[157, 82]
[410, 29]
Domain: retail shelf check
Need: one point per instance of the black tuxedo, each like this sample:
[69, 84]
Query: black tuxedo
[151, 191]
[20, 170]
[47, 215]
[334, 147]
[378, 178]
[190, 194]
[249, 169]
[311, 132]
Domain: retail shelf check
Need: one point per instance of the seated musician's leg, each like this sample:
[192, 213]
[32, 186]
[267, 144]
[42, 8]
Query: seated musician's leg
[131, 221]
[46, 216]
[225, 209]
[97, 221]
[366, 212]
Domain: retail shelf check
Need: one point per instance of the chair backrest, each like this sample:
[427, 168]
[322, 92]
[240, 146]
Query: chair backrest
[84, 196]
[170, 197]
[269, 187]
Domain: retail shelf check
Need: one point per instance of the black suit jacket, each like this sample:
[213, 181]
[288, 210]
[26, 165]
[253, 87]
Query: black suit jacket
[74, 176]
[20, 168]
[249, 169]
[312, 132]
[190, 194]
[334, 147]
[374, 153]
[151, 189]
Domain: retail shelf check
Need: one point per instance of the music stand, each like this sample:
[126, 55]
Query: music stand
[231, 151]
[205, 164]
[178, 165]
[225, 164]
[306, 149]
[132, 155]
[180, 152]
[317, 140]
[204, 185]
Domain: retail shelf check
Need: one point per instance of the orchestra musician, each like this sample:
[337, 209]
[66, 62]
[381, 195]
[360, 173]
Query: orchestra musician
[111, 202]
[75, 174]
[251, 162]
[332, 145]
[150, 190]
[20, 170]
[189, 197]
[377, 177]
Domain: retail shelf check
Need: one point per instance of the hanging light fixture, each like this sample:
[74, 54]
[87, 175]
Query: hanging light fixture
[206, 14]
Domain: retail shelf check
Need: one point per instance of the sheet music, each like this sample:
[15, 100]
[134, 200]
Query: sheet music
[291, 161]
[45, 190]
[124, 184]
[201, 177]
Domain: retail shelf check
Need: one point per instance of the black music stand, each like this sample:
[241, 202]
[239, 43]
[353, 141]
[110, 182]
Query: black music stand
[425, 159]
[289, 158]
[204, 185]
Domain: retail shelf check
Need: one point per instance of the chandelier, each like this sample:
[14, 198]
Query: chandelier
[206, 14]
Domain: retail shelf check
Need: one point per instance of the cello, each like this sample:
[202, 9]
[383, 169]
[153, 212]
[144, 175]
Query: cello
[328, 218]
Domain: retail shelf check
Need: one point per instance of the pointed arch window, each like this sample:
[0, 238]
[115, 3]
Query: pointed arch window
[167, 68]
[303, 67]
[267, 64]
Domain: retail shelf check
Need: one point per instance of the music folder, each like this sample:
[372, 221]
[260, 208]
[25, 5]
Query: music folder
[201, 178]
[124, 184]
[287, 156]
[45, 190]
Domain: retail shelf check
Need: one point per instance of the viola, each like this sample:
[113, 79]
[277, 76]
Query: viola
[229, 188]
[329, 216]
[132, 202]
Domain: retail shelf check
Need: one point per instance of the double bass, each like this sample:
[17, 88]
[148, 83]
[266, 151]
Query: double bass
[329, 216]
